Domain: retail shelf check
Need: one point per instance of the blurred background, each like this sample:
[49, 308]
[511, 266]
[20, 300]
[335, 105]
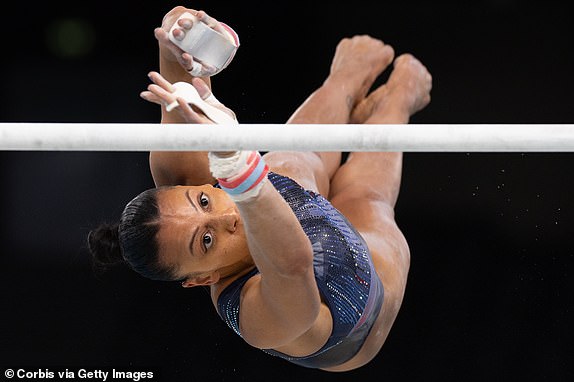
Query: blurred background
[490, 288]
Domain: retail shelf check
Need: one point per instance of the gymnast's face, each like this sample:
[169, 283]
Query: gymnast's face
[201, 233]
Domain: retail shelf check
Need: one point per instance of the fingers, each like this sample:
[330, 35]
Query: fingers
[190, 115]
[150, 97]
[160, 81]
[184, 25]
[184, 59]
[162, 35]
[210, 21]
[171, 16]
[158, 96]
[202, 89]
[165, 96]
[160, 92]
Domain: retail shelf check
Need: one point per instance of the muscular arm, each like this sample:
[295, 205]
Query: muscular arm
[284, 303]
[176, 167]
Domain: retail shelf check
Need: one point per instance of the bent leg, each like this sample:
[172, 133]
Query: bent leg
[366, 189]
[374, 219]
[358, 61]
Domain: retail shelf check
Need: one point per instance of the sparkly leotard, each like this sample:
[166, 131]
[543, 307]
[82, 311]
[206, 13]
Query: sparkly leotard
[344, 272]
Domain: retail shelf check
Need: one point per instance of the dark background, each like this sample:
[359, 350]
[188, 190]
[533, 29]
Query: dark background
[490, 289]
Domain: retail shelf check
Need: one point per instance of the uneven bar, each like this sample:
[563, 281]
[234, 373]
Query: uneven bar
[282, 137]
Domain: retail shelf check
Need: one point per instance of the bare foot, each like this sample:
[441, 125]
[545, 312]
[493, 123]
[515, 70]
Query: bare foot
[357, 63]
[406, 92]
[364, 109]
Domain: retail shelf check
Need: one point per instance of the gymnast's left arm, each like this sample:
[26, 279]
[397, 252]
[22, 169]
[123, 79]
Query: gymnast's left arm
[182, 167]
[170, 167]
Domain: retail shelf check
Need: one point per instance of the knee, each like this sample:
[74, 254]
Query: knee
[306, 168]
[357, 191]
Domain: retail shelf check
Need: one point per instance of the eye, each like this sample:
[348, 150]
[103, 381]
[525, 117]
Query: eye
[203, 200]
[207, 240]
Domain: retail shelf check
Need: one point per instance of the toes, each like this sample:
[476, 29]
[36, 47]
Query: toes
[404, 59]
[389, 53]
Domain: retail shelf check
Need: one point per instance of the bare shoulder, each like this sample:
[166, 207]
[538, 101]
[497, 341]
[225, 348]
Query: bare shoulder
[217, 289]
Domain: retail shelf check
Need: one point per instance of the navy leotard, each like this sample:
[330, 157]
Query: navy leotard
[344, 272]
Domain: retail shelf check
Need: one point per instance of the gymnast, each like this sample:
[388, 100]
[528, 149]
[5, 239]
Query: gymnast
[301, 252]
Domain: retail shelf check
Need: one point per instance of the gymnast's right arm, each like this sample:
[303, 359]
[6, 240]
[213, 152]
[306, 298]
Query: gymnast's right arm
[283, 302]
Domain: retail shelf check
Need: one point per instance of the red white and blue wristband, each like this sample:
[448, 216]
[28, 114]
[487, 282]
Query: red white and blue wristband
[241, 176]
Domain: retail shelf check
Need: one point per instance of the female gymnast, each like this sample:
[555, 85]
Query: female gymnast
[301, 253]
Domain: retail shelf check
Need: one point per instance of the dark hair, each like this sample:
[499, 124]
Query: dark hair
[132, 240]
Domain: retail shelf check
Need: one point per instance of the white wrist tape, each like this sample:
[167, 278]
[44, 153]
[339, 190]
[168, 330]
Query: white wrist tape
[241, 176]
[211, 50]
[191, 96]
[222, 168]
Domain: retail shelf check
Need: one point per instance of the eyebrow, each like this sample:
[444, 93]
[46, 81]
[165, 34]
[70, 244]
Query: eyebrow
[190, 200]
[196, 228]
[193, 241]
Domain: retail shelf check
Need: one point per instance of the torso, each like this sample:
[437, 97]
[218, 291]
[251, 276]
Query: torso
[320, 332]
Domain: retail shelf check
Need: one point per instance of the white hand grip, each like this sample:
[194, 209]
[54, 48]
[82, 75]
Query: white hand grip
[190, 95]
[205, 44]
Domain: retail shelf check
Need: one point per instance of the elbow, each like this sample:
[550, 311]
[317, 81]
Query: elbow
[299, 262]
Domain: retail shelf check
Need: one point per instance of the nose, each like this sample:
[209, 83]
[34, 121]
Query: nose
[228, 220]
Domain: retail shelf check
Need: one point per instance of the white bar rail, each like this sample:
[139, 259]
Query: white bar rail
[282, 137]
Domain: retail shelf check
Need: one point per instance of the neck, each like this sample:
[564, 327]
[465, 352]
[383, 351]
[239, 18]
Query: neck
[229, 274]
[233, 271]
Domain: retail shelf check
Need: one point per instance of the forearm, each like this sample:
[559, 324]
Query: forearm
[285, 301]
[276, 239]
[176, 167]
[169, 168]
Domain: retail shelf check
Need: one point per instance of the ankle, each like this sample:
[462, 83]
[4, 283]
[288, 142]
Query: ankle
[389, 112]
[345, 87]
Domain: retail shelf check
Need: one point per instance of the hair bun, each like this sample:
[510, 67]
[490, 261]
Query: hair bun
[104, 244]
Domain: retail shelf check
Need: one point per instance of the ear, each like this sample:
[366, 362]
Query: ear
[203, 280]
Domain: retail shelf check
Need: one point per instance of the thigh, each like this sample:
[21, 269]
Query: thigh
[390, 255]
[389, 249]
[365, 190]
[306, 168]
